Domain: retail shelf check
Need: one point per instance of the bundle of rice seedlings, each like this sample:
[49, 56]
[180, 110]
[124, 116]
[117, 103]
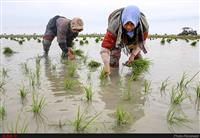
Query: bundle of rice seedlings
[78, 52]
[139, 67]
[94, 64]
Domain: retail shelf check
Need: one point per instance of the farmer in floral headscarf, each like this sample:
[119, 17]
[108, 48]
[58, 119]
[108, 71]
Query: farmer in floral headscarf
[65, 30]
[127, 29]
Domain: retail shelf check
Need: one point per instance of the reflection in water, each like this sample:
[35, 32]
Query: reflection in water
[57, 76]
[112, 96]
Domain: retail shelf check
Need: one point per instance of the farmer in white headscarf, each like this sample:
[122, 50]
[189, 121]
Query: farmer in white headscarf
[65, 30]
[127, 30]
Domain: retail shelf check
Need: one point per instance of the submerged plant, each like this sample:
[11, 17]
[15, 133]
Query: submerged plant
[82, 121]
[147, 86]
[8, 51]
[122, 116]
[94, 64]
[139, 67]
[88, 92]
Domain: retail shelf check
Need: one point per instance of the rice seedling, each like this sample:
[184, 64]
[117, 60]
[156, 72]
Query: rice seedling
[8, 51]
[86, 42]
[102, 75]
[139, 67]
[37, 71]
[147, 86]
[85, 59]
[198, 91]
[16, 128]
[188, 81]
[81, 42]
[38, 40]
[88, 93]
[4, 73]
[20, 42]
[38, 104]
[176, 96]
[32, 79]
[84, 38]
[169, 40]
[78, 52]
[23, 92]
[162, 41]
[164, 84]
[187, 40]
[181, 84]
[89, 76]
[94, 64]
[97, 40]
[2, 112]
[193, 43]
[2, 83]
[174, 118]
[25, 68]
[127, 93]
[69, 84]
[122, 116]
[82, 121]
[53, 67]
[71, 68]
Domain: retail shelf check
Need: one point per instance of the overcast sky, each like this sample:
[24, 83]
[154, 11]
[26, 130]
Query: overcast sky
[31, 16]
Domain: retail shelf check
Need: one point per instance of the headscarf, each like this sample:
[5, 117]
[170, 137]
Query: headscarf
[131, 14]
[77, 23]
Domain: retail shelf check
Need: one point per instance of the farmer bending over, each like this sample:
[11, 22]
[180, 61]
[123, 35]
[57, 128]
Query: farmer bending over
[65, 30]
[127, 29]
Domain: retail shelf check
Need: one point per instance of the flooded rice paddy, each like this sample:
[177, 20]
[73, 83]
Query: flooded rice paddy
[117, 105]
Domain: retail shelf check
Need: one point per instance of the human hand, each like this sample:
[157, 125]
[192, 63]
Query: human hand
[130, 60]
[70, 54]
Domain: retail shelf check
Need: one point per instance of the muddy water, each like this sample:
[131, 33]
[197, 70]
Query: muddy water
[147, 112]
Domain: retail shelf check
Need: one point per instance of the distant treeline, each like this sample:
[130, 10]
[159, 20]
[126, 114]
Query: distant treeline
[102, 35]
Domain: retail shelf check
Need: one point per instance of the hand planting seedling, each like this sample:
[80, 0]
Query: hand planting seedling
[139, 67]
